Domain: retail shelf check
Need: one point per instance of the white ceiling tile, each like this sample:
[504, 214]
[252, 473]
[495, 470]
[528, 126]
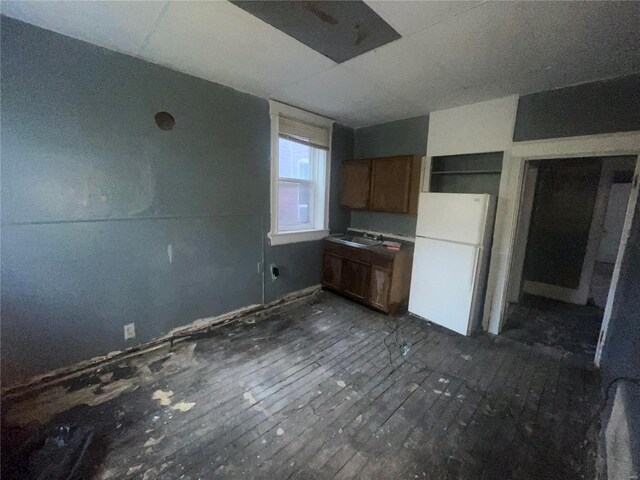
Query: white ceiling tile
[520, 47]
[401, 67]
[490, 42]
[408, 17]
[596, 40]
[336, 93]
[220, 42]
[381, 110]
[121, 26]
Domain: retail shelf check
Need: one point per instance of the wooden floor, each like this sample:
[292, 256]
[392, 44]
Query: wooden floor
[320, 389]
[569, 327]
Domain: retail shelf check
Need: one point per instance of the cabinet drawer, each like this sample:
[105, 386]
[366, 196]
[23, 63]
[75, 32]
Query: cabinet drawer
[349, 252]
[382, 261]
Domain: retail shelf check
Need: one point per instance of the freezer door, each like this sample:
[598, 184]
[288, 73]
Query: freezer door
[443, 281]
[457, 217]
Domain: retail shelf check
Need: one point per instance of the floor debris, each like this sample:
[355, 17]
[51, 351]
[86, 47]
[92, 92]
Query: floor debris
[249, 396]
[183, 406]
[163, 397]
[153, 441]
[134, 469]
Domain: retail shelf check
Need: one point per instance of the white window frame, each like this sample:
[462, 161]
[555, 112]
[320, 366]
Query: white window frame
[319, 207]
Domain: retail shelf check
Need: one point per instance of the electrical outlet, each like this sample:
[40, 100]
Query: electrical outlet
[129, 331]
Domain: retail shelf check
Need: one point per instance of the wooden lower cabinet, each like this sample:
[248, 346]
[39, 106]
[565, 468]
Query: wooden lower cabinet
[371, 277]
[379, 289]
[331, 270]
[355, 278]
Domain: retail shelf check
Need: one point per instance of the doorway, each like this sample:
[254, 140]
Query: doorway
[569, 229]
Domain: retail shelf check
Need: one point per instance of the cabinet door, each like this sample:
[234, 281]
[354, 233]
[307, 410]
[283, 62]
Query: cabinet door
[354, 278]
[391, 184]
[379, 289]
[331, 270]
[355, 184]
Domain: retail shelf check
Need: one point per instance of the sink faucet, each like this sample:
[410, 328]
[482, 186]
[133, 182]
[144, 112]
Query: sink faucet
[373, 237]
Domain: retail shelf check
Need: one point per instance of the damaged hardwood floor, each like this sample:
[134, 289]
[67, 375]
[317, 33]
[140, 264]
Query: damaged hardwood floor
[320, 388]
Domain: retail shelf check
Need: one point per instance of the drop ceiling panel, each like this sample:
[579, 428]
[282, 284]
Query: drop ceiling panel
[509, 47]
[479, 46]
[403, 68]
[409, 17]
[598, 40]
[381, 110]
[338, 30]
[120, 26]
[336, 93]
[220, 42]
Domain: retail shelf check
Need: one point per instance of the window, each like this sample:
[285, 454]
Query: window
[300, 153]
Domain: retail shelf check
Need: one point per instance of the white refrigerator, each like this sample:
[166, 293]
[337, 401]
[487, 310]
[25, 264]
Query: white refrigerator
[450, 261]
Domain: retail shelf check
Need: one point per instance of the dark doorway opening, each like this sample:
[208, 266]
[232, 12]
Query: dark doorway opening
[570, 226]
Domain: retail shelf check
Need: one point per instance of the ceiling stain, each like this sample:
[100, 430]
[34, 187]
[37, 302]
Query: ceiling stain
[314, 8]
[361, 34]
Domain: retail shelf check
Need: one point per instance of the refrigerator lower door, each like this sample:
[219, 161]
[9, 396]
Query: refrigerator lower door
[443, 282]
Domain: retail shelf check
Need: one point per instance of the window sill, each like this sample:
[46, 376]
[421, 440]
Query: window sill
[295, 237]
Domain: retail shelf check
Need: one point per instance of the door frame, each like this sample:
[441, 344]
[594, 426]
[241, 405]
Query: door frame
[624, 238]
[510, 200]
[530, 179]
[580, 294]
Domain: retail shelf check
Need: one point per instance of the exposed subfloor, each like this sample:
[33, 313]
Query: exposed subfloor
[538, 320]
[319, 389]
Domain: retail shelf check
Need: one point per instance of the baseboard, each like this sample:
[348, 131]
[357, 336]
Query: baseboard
[564, 294]
[181, 333]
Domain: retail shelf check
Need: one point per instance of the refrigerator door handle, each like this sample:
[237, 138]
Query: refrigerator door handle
[476, 259]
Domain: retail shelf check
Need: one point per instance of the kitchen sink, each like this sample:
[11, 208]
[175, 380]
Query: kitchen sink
[359, 241]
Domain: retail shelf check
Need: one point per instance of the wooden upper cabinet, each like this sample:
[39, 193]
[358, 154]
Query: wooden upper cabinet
[356, 184]
[387, 184]
[395, 184]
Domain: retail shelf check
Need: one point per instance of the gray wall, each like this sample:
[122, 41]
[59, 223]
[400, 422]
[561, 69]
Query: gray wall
[597, 107]
[621, 360]
[94, 195]
[402, 137]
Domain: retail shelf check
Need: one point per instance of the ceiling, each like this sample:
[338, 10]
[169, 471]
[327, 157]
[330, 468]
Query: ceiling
[450, 53]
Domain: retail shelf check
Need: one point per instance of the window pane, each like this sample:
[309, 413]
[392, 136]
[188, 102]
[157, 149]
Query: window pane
[294, 160]
[293, 203]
